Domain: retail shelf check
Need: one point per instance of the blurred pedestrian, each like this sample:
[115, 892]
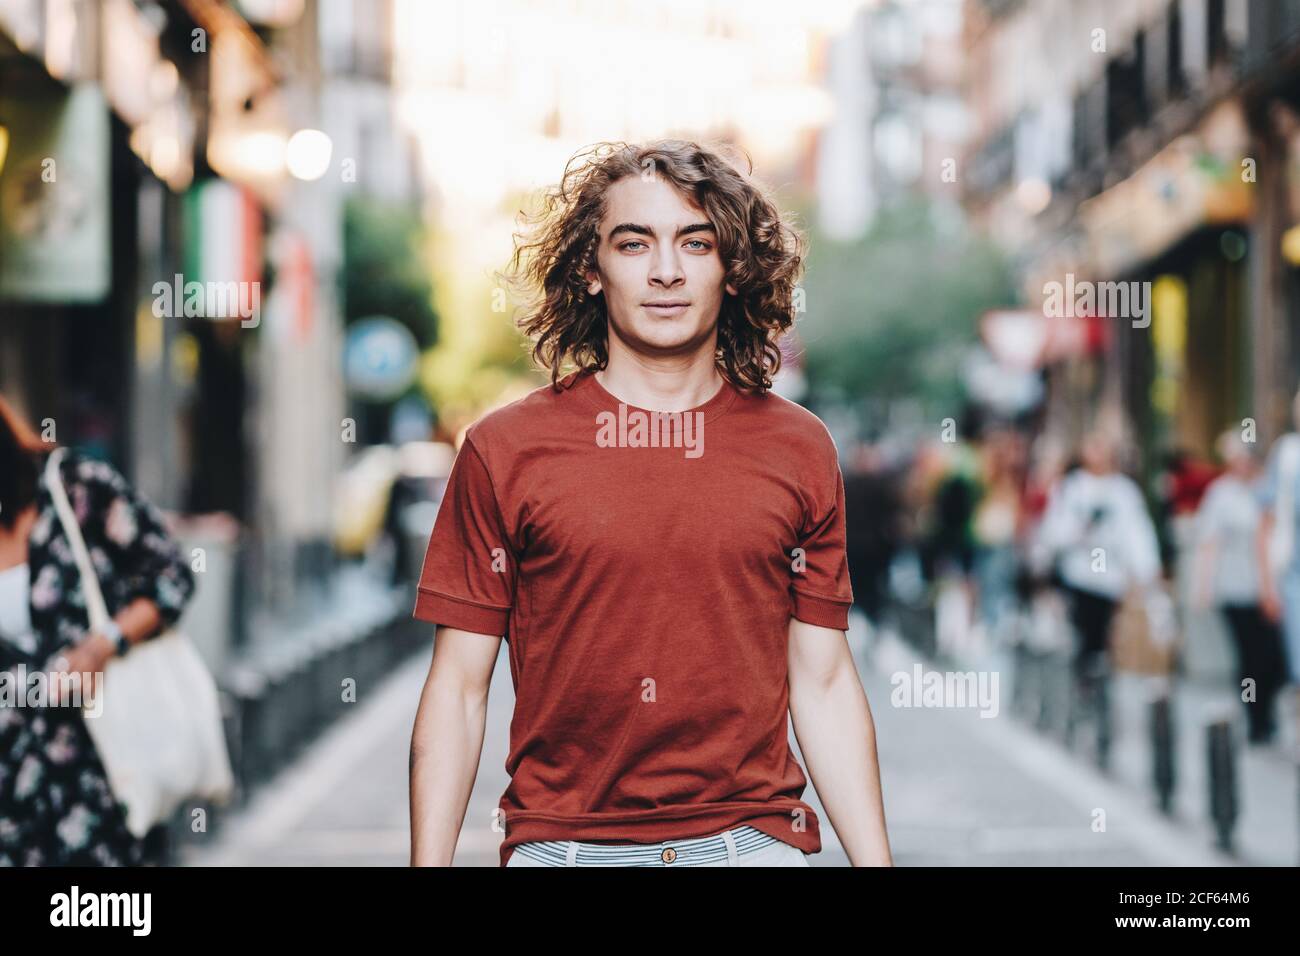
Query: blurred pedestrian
[56, 806]
[873, 528]
[949, 550]
[1227, 576]
[950, 542]
[994, 525]
[1098, 536]
[1181, 483]
[1279, 563]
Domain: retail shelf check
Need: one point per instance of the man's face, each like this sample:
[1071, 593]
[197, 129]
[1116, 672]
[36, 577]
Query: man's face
[657, 263]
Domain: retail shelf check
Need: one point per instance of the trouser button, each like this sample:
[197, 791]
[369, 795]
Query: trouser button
[668, 855]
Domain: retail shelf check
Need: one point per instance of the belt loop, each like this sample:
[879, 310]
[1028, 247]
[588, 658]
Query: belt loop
[571, 854]
[733, 858]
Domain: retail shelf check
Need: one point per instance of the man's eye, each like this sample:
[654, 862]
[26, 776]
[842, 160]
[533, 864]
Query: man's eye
[629, 245]
[700, 243]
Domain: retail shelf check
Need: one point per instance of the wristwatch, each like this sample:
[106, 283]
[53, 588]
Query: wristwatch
[114, 634]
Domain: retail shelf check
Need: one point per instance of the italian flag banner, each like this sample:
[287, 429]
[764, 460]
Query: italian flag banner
[223, 239]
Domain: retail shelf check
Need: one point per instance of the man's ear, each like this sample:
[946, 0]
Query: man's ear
[731, 289]
[593, 283]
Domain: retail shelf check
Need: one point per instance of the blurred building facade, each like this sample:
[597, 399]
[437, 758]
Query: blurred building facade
[1153, 143]
[900, 120]
[147, 145]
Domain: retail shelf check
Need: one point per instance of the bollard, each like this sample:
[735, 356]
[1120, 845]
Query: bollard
[329, 647]
[1162, 752]
[1223, 781]
[232, 717]
[249, 692]
[1027, 693]
[316, 675]
[1019, 662]
[1075, 700]
[298, 704]
[1101, 700]
[1047, 693]
[275, 667]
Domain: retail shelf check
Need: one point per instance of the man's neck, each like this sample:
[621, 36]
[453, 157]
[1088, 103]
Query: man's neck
[661, 386]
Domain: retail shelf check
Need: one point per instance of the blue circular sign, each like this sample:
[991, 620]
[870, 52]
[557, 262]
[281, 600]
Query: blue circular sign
[379, 358]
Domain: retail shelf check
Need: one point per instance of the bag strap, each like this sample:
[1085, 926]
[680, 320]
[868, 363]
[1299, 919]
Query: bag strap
[72, 530]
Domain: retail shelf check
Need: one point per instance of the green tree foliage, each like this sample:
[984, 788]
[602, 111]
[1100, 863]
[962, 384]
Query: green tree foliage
[891, 315]
[385, 269]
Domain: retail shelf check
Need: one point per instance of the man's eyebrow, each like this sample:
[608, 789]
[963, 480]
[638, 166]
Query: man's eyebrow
[631, 227]
[640, 230]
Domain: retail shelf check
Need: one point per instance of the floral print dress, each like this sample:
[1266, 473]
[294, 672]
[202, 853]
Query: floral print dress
[56, 807]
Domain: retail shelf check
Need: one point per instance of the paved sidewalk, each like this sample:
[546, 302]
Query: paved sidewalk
[959, 789]
[1267, 830]
[962, 789]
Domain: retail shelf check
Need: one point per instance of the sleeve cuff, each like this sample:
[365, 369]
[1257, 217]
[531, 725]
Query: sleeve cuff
[462, 615]
[821, 612]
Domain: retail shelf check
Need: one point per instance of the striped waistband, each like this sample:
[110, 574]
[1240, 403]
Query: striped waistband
[692, 852]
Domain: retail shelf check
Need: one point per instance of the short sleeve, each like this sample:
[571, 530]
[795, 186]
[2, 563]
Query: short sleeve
[468, 577]
[819, 588]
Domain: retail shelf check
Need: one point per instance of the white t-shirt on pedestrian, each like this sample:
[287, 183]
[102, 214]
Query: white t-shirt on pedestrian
[1099, 527]
[1229, 516]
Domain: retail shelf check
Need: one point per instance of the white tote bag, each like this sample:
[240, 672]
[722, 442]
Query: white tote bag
[157, 720]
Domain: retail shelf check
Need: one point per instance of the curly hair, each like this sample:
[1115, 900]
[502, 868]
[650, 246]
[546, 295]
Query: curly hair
[762, 255]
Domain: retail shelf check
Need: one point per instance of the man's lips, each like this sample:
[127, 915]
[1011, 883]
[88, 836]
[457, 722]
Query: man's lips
[667, 306]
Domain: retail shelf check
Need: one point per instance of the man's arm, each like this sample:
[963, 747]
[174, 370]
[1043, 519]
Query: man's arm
[833, 725]
[447, 741]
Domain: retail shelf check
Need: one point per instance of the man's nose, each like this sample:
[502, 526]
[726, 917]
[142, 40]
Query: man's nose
[666, 269]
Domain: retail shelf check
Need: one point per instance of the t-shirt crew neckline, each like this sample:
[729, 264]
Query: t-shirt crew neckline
[600, 398]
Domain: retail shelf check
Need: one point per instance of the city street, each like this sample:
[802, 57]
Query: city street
[322, 321]
[959, 790]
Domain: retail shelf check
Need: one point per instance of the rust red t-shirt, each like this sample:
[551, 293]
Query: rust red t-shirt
[644, 572]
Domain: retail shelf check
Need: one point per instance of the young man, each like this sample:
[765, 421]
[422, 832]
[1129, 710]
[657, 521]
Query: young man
[660, 540]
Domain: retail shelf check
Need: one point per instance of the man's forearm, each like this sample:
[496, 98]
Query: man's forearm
[837, 736]
[446, 743]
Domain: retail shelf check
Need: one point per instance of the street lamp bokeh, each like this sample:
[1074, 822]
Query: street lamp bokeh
[307, 154]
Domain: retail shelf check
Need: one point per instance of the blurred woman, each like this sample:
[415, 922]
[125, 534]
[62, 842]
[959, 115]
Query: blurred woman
[1228, 577]
[56, 806]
